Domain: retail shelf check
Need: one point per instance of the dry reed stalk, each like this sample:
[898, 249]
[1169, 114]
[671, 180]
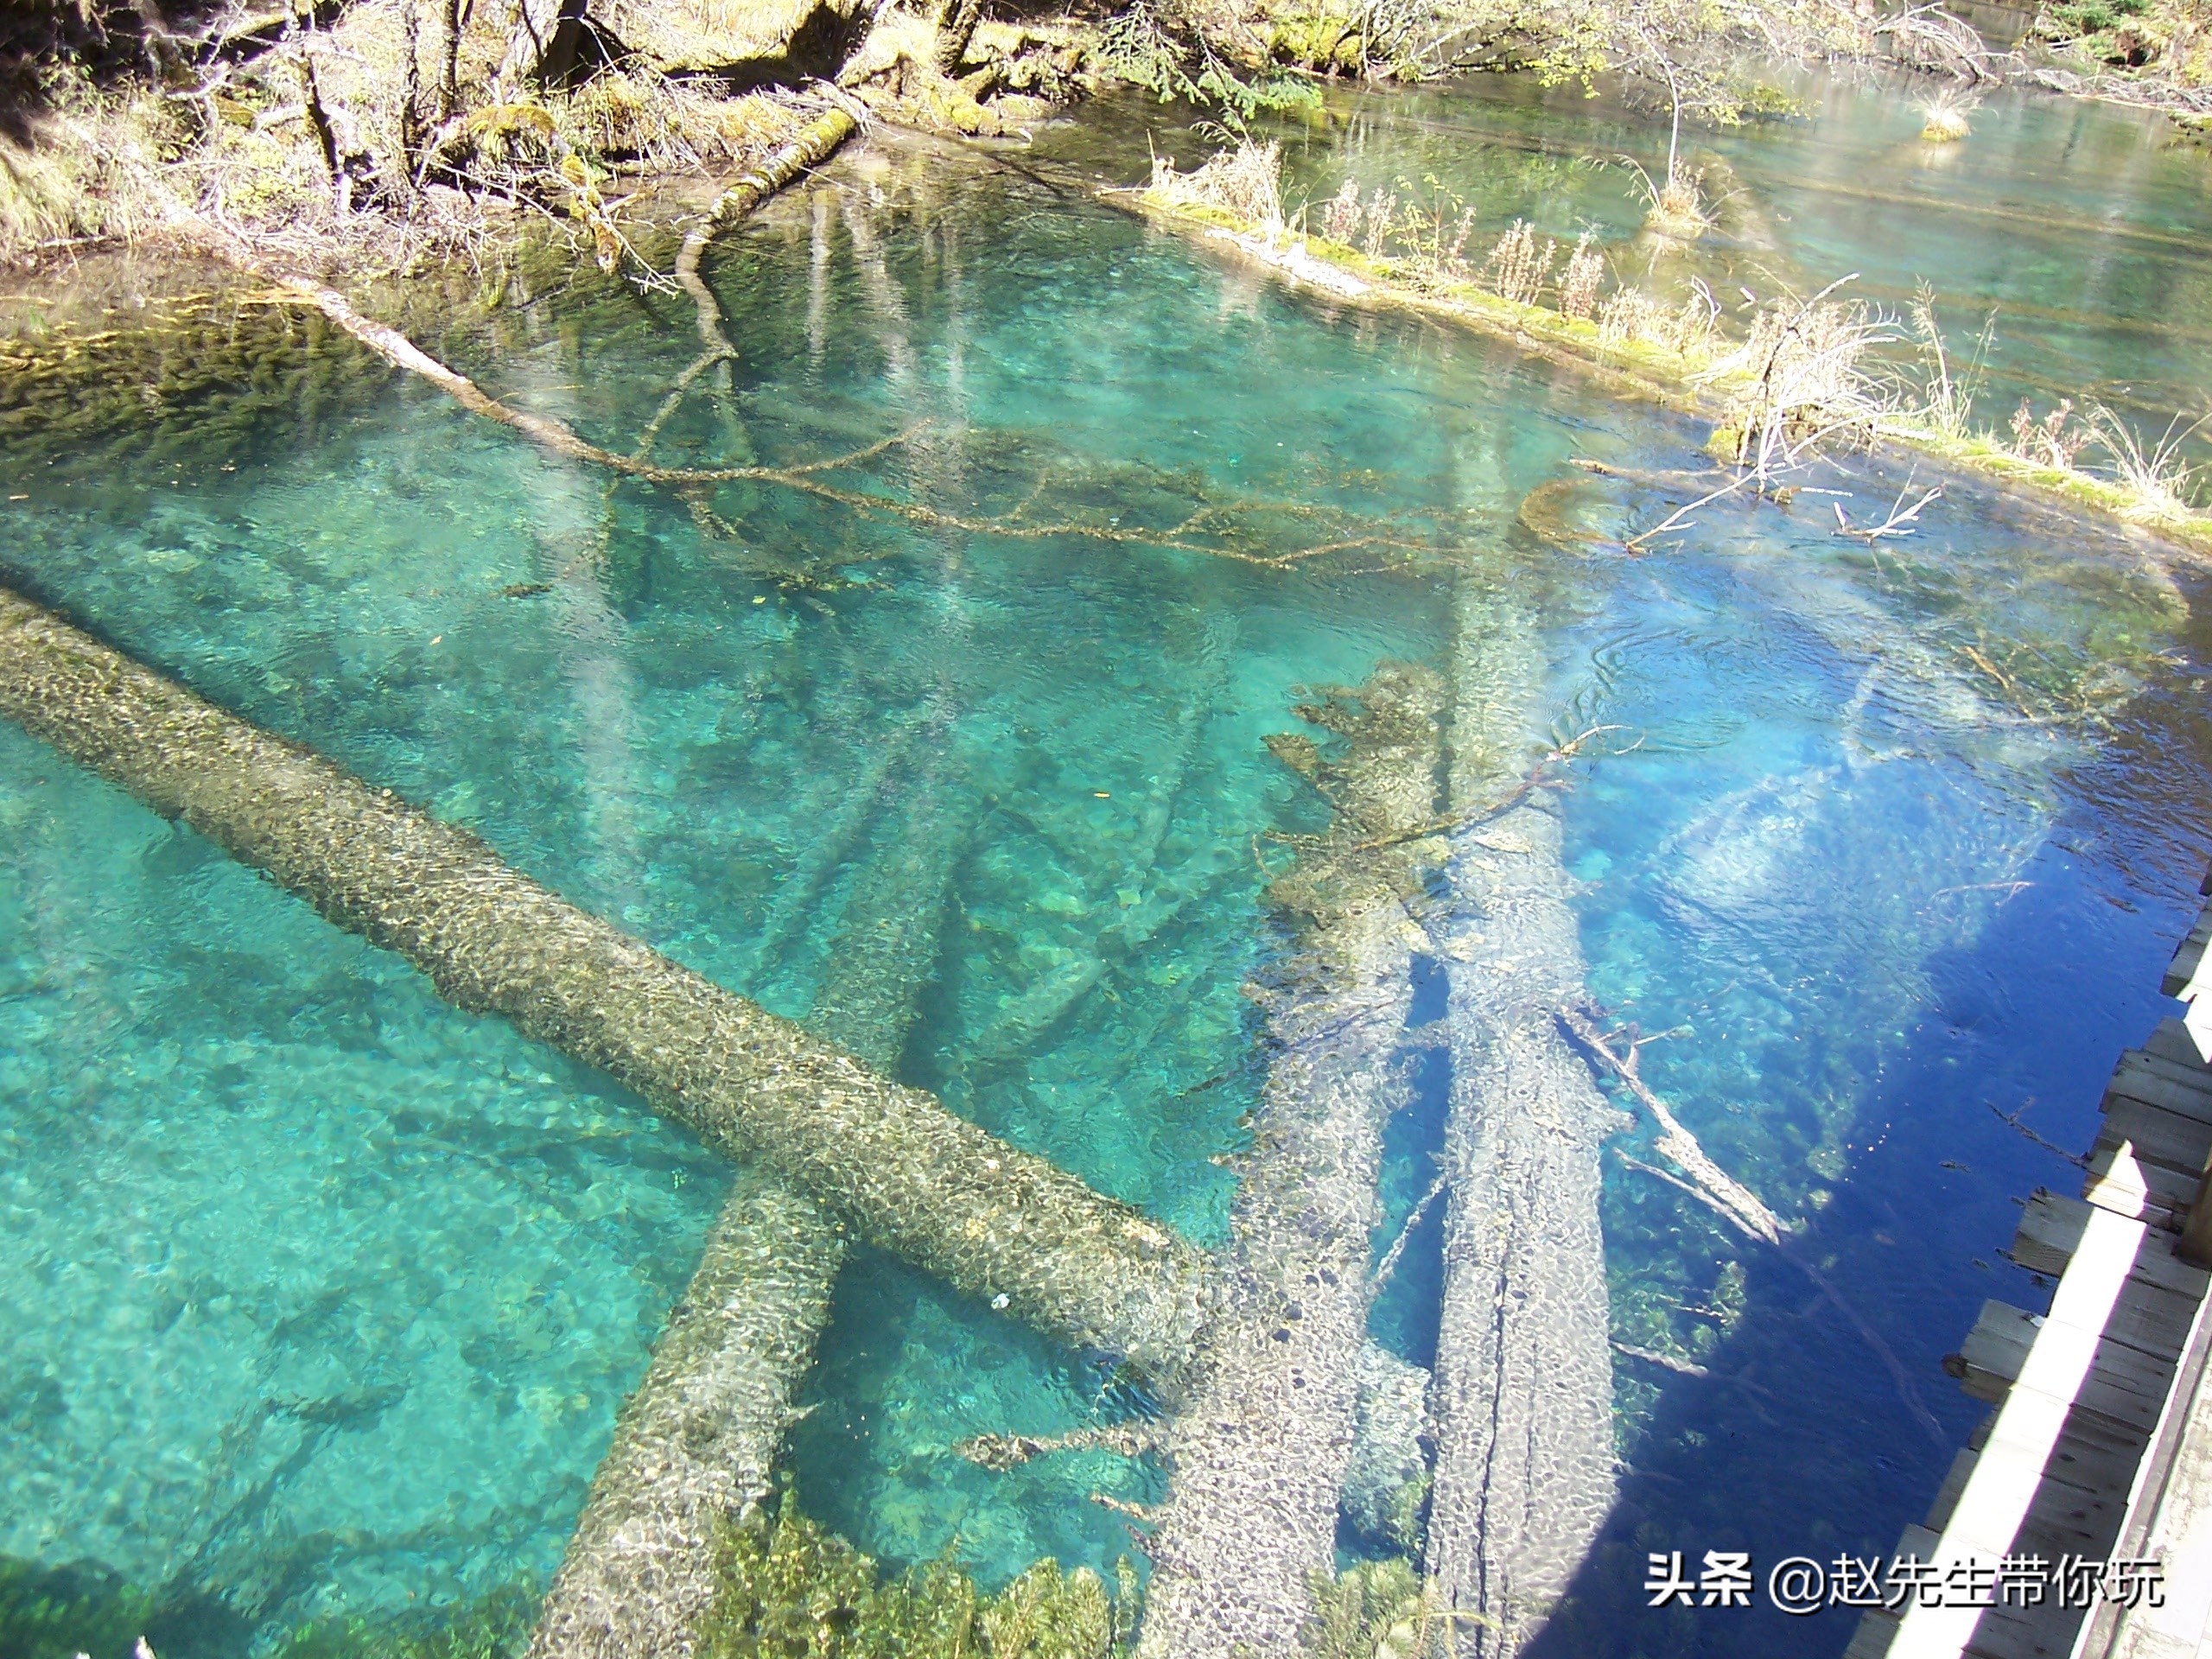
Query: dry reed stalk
[1803, 379]
[1340, 219]
[1517, 268]
[1585, 272]
[1246, 183]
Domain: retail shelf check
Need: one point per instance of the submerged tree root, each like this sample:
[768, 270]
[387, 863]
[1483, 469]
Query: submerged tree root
[902, 1171]
[1522, 1398]
[1260, 1451]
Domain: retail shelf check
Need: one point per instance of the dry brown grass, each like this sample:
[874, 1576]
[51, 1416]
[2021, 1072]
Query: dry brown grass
[239, 159]
[2162, 486]
[1945, 118]
[1585, 276]
[1632, 316]
[1245, 182]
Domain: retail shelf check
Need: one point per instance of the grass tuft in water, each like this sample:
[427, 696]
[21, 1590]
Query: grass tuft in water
[1377, 1609]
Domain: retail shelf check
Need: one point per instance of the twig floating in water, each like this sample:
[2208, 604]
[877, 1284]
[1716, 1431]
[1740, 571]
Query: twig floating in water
[1729, 1195]
[1712, 1187]
[999, 1453]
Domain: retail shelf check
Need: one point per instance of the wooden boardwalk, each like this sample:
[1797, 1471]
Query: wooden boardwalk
[2101, 1445]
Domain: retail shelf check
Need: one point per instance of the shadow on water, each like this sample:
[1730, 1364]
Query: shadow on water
[2027, 1018]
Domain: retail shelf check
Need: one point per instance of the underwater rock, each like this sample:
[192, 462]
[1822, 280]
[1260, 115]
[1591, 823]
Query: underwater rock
[905, 1173]
[1260, 1453]
[1522, 1395]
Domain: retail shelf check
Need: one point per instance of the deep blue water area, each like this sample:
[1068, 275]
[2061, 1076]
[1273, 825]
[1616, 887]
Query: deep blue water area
[321, 1296]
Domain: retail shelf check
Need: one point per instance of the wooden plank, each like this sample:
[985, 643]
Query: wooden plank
[2169, 1519]
[2144, 1077]
[2050, 1226]
[2094, 1454]
[2194, 1248]
[1997, 1348]
[1877, 1628]
[2187, 955]
[2160, 1137]
[1955, 1482]
[2124, 1384]
[2171, 1041]
[2044, 1632]
[2060, 1369]
[2063, 1518]
[2148, 1192]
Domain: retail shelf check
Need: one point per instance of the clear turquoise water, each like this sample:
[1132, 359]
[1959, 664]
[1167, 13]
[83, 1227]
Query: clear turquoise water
[321, 1296]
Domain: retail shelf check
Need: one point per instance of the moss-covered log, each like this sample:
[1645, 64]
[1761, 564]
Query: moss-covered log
[1260, 1455]
[902, 1171]
[1522, 1395]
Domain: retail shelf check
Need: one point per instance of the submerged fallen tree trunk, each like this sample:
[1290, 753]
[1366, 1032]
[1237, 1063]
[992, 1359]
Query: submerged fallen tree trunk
[1522, 1394]
[1260, 1453]
[696, 1446]
[898, 1169]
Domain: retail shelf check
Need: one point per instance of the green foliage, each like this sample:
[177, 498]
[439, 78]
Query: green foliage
[58, 1613]
[2068, 20]
[1742, 102]
[1322, 40]
[1138, 46]
[496, 1627]
[791, 1589]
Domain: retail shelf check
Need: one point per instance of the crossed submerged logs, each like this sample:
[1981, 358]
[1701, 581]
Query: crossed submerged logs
[813, 478]
[894, 1165]
[1261, 1451]
[1524, 1388]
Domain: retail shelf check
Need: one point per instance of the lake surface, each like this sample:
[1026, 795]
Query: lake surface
[321, 1296]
